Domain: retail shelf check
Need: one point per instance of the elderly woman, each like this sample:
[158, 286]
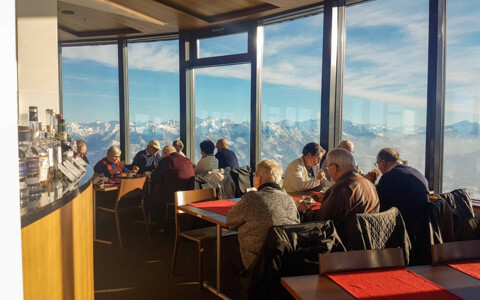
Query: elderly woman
[303, 173]
[111, 165]
[259, 210]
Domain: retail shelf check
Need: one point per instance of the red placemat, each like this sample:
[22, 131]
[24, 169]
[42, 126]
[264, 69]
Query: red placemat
[471, 268]
[220, 207]
[396, 283]
[313, 206]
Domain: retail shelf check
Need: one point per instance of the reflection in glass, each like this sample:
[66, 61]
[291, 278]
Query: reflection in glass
[385, 80]
[153, 94]
[222, 108]
[223, 45]
[291, 88]
[90, 97]
[461, 162]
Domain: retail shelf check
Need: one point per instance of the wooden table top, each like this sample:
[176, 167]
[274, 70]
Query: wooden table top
[205, 214]
[319, 287]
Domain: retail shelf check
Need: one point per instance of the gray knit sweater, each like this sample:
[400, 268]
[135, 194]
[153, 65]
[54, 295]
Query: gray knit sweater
[255, 213]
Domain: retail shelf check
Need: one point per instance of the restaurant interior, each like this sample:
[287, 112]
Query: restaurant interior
[269, 76]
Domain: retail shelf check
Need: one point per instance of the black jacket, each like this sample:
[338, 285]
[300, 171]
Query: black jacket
[226, 158]
[242, 178]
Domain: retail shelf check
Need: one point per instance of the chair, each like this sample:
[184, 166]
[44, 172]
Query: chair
[197, 235]
[455, 251]
[130, 196]
[335, 262]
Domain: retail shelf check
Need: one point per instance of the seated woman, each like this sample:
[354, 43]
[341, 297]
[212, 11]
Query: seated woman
[111, 165]
[208, 161]
[257, 211]
[303, 173]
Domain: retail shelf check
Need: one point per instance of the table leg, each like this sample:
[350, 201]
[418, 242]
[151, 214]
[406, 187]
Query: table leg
[95, 221]
[219, 241]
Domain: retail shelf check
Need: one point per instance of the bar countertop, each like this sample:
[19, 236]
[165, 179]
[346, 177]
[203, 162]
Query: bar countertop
[37, 211]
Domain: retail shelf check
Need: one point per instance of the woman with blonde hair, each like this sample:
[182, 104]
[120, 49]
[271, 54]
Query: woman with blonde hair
[111, 165]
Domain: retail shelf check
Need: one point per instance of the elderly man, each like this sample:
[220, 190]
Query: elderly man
[303, 173]
[208, 161]
[350, 195]
[225, 156]
[259, 210]
[147, 159]
[111, 165]
[403, 187]
[173, 173]
[82, 150]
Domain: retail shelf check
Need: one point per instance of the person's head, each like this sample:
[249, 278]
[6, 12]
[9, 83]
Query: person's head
[207, 147]
[386, 158]
[347, 145]
[113, 154]
[222, 144]
[167, 150]
[312, 154]
[81, 148]
[267, 171]
[338, 162]
[153, 147]
[178, 145]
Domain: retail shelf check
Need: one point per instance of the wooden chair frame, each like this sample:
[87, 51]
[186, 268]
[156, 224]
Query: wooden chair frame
[336, 262]
[455, 251]
[129, 190]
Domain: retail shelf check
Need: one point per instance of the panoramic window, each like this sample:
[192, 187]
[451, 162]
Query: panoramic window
[385, 80]
[223, 45]
[222, 108]
[90, 97]
[461, 162]
[153, 84]
[291, 88]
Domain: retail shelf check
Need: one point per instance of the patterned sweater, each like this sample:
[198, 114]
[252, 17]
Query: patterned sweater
[255, 213]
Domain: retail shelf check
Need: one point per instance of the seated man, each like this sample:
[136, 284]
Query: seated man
[82, 150]
[403, 187]
[259, 210]
[111, 165]
[349, 146]
[303, 173]
[225, 156]
[350, 195]
[208, 161]
[148, 159]
[178, 146]
[173, 173]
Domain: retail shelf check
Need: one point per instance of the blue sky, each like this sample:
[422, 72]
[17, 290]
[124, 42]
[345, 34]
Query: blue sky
[385, 75]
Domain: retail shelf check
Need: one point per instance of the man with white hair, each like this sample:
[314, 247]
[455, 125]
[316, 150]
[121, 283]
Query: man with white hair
[350, 195]
[347, 145]
[259, 210]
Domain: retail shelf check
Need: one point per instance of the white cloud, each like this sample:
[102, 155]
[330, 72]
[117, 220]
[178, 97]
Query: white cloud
[106, 54]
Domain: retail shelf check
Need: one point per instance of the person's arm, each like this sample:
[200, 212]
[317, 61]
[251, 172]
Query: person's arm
[296, 179]
[139, 163]
[236, 215]
[200, 167]
[101, 168]
[160, 171]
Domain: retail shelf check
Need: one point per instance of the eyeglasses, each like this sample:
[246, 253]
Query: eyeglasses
[376, 163]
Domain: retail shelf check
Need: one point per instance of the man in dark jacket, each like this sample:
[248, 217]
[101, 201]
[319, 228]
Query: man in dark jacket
[173, 173]
[147, 159]
[403, 187]
[350, 195]
[225, 156]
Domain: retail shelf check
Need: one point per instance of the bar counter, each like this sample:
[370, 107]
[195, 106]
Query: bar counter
[57, 245]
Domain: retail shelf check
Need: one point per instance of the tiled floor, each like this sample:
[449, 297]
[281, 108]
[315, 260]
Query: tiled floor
[141, 269]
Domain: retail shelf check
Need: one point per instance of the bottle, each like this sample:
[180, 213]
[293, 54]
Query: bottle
[32, 162]
[46, 144]
[43, 156]
[54, 144]
[54, 123]
[61, 125]
[22, 148]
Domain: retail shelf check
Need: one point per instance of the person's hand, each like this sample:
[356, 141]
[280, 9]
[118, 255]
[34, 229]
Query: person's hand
[302, 207]
[320, 175]
[135, 169]
[318, 197]
[372, 176]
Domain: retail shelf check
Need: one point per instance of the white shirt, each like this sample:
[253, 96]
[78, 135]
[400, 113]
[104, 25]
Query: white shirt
[206, 163]
[296, 177]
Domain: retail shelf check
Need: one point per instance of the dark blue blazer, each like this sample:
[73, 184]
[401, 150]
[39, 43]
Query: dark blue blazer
[407, 189]
[226, 158]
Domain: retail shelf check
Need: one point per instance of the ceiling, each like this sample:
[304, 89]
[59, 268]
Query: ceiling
[80, 20]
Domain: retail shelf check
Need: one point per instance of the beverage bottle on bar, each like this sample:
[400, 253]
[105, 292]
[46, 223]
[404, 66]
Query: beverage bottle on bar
[47, 146]
[43, 156]
[32, 159]
[22, 148]
[53, 122]
[54, 144]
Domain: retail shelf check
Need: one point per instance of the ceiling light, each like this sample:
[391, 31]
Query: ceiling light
[68, 12]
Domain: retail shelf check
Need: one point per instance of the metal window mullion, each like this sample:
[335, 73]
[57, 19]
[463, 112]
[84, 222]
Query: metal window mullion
[436, 94]
[123, 99]
[332, 73]
[255, 46]
[60, 79]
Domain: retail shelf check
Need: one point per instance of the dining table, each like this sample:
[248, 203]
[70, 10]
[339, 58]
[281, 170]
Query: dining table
[452, 280]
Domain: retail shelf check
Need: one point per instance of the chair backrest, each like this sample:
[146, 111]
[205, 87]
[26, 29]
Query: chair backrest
[187, 197]
[455, 251]
[335, 262]
[131, 188]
